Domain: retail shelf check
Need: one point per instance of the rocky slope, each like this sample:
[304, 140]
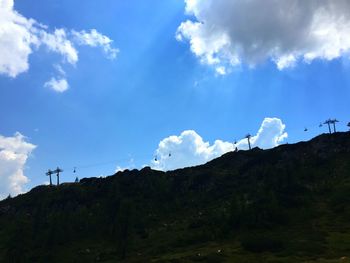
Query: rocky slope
[287, 204]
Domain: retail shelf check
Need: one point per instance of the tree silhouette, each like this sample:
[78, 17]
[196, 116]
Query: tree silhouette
[124, 225]
[348, 125]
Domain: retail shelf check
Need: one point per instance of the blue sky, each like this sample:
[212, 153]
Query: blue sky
[116, 111]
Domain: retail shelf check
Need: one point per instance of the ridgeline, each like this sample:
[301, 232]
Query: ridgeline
[287, 204]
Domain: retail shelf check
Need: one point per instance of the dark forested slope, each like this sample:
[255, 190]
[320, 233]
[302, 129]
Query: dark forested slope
[287, 204]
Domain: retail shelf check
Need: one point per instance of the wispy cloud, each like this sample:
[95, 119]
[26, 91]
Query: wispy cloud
[59, 85]
[96, 39]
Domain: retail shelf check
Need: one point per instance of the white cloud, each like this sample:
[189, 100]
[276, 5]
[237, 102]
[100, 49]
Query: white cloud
[96, 39]
[14, 152]
[21, 36]
[59, 69]
[59, 85]
[16, 40]
[189, 149]
[120, 169]
[271, 134]
[59, 43]
[129, 166]
[221, 70]
[228, 32]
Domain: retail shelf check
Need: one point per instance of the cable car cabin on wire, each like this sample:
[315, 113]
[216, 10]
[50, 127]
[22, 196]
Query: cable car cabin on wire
[156, 157]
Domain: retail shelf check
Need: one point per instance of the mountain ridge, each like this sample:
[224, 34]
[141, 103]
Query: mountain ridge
[286, 204]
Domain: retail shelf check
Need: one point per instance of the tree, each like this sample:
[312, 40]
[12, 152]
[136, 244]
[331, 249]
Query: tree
[124, 223]
[349, 125]
[18, 241]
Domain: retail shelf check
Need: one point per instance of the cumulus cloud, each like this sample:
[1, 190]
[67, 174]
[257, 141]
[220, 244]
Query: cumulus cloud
[59, 85]
[16, 40]
[14, 152]
[271, 134]
[21, 36]
[189, 148]
[225, 33]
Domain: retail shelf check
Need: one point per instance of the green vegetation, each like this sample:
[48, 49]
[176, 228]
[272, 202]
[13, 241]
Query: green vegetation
[288, 204]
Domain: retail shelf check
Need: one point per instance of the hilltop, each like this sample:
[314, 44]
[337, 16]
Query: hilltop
[287, 204]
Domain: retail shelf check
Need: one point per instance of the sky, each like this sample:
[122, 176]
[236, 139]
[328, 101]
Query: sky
[114, 85]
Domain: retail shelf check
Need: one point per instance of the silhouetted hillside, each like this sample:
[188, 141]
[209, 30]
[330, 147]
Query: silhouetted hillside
[287, 204]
